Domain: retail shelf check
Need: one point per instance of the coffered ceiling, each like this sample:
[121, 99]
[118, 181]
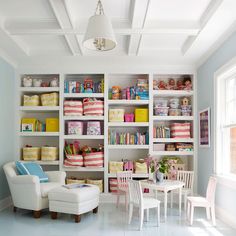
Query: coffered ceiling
[168, 31]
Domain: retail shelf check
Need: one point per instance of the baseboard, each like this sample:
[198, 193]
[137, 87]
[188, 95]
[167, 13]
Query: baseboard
[224, 216]
[4, 203]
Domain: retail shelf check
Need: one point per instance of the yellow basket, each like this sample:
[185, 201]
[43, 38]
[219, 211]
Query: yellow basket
[49, 153]
[141, 115]
[141, 168]
[75, 181]
[31, 153]
[116, 115]
[50, 99]
[52, 125]
[31, 100]
[115, 166]
[98, 182]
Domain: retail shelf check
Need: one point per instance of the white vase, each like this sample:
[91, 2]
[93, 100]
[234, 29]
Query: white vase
[159, 177]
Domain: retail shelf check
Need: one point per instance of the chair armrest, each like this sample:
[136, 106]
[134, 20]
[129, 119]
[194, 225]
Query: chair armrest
[25, 179]
[56, 176]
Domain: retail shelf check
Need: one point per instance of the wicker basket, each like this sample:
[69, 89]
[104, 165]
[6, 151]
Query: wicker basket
[50, 99]
[115, 166]
[98, 182]
[31, 100]
[94, 159]
[73, 108]
[73, 160]
[31, 153]
[75, 181]
[93, 108]
[49, 153]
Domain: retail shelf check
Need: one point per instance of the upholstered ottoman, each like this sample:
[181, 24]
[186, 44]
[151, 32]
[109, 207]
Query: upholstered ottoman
[73, 201]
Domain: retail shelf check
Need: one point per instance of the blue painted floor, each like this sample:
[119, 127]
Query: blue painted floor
[109, 221]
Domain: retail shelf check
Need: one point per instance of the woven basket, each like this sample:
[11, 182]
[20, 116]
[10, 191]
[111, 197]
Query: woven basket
[75, 181]
[98, 182]
[50, 99]
[73, 160]
[94, 159]
[31, 100]
[93, 108]
[115, 166]
[31, 153]
[73, 108]
[49, 153]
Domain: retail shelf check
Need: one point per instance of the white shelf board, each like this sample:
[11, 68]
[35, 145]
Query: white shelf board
[173, 140]
[128, 146]
[173, 153]
[39, 108]
[39, 89]
[40, 134]
[128, 102]
[84, 95]
[83, 136]
[46, 163]
[187, 118]
[83, 169]
[83, 117]
[172, 93]
[134, 175]
[129, 124]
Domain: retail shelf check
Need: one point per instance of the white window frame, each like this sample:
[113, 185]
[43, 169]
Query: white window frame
[220, 76]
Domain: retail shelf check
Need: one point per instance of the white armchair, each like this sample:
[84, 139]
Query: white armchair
[26, 190]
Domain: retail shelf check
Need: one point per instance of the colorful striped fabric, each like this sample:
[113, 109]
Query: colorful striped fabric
[73, 160]
[95, 159]
[73, 108]
[180, 130]
[113, 185]
[93, 107]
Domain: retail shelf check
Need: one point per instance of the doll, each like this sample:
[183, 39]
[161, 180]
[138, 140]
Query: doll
[171, 84]
[180, 85]
[187, 84]
[162, 85]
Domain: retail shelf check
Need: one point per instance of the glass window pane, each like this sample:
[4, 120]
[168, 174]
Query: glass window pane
[233, 150]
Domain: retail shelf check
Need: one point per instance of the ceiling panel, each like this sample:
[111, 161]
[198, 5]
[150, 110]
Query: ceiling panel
[26, 9]
[181, 10]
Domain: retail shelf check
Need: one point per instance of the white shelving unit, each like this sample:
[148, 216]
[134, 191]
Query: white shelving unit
[111, 152]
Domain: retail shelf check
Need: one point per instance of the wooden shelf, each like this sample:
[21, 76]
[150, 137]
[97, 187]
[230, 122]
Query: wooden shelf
[84, 95]
[128, 102]
[128, 146]
[172, 93]
[128, 124]
[39, 89]
[173, 153]
[173, 140]
[161, 118]
[83, 117]
[46, 163]
[83, 169]
[83, 136]
[40, 134]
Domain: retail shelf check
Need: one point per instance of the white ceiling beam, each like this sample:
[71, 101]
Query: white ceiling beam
[204, 20]
[60, 10]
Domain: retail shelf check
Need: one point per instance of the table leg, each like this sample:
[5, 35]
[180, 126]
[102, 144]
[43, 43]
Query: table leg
[165, 206]
[180, 200]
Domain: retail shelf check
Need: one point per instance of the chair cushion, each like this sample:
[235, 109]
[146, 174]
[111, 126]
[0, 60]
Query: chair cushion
[46, 187]
[31, 168]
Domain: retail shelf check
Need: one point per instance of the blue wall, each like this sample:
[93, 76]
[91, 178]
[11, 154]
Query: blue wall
[205, 93]
[7, 122]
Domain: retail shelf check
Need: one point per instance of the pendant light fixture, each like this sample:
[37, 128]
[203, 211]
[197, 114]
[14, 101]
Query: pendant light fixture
[99, 35]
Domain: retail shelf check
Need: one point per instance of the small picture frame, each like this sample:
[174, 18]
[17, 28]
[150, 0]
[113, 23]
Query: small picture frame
[204, 128]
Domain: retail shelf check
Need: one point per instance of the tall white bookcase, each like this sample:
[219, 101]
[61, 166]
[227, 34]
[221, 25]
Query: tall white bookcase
[111, 152]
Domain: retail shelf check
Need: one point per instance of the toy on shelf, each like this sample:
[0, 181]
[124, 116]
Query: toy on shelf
[180, 85]
[37, 82]
[187, 83]
[27, 81]
[171, 84]
[162, 85]
[54, 82]
[128, 165]
[88, 85]
[116, 92]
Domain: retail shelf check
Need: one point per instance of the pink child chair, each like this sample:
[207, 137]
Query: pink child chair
[122, 186]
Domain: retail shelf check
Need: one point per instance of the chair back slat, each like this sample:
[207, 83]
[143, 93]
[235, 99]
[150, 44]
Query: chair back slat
[211, 188]
[122, 179]
[187, 177]
[135, 192]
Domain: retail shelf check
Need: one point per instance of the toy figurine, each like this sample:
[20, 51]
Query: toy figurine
[180, 85]
[171, 84]
[162, 85]
[185, 101]
[187, 83]
[88, 86]
[155, 85]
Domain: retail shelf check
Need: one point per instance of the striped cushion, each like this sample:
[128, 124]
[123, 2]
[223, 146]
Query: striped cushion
[31, 168]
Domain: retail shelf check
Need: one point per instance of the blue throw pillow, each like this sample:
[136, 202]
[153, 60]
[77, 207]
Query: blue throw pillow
[31, 168]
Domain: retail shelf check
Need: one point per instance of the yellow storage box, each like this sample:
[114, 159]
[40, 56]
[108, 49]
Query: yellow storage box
[52, 125]
[31, 153]
[28, 124]
[115, 166]
[141, 168]
[141, 115]
[31, 100]
[116, 115]
[50, 99]
[49, 153]
[98, 182]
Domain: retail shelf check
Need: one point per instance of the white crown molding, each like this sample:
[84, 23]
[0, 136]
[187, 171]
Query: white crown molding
[6, 202]
[216, 45]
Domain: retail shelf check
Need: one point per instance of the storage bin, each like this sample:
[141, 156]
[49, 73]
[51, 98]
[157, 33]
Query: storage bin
[115, 166]
[113, 185]
[31, 100]
[52, 125]
[72, 180]
[75, 127]
[31, 153]
[73, 108]
[129, 117]
[93, 128]
[174, 112]
[158, 147]
[98, 182]
[174, 103]
[161, 102]
[141, 168]
[49, 154]
[28, 124]
[180, 130]
[116, 115]
[141, 114]
[93, 107]
[73, 160]
[94, 159]
[50, 99]
[161, 111]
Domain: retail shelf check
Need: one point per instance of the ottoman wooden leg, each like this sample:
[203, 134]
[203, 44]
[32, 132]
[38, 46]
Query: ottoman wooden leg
[53, 215]
[37, 214]
[77, 218]
[95, 210]
[14, 209]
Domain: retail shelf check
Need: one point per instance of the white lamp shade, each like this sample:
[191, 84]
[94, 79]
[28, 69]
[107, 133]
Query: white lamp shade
[99, 27]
